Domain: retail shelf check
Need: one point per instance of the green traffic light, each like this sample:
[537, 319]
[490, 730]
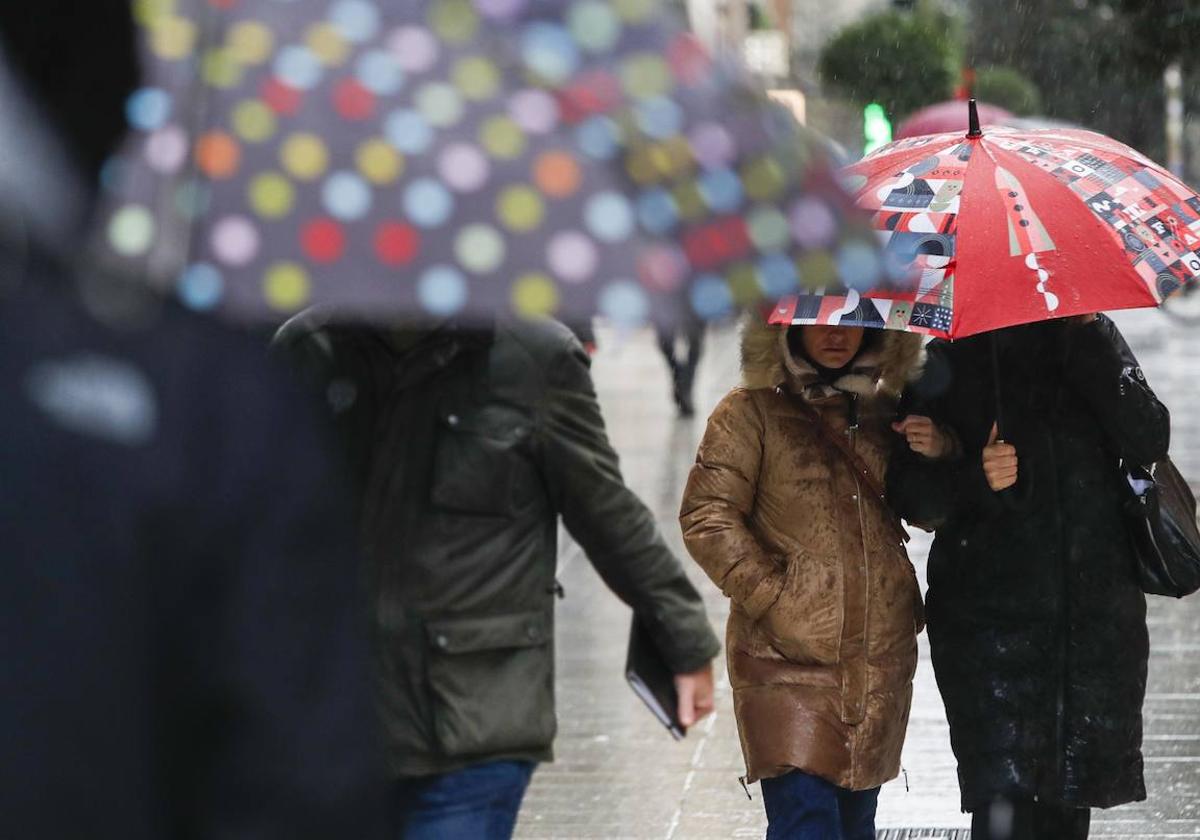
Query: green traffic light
[877, 128]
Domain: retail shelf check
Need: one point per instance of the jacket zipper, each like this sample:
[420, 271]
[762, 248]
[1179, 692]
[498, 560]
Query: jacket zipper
[862, 530]
[851, 431]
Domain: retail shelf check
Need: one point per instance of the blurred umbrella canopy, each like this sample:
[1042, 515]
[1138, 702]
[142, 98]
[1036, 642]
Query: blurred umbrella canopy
[950, 116]
[1009, 227]
[1035, 122]
[463, 158]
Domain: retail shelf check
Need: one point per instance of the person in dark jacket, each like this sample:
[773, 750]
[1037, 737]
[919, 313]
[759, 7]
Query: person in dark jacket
[182, 646]
[183, 651]
[683, 368]
[1036, 622]
[467, 446]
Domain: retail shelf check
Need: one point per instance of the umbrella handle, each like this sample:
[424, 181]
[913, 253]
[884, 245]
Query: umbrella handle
[1020, 495]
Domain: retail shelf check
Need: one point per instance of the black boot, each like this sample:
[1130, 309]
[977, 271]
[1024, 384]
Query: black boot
[683, 393]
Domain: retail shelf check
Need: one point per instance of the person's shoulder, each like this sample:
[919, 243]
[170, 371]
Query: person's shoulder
[939, 354]
[942, 347]
[317, 331]
[973, 347]
[1106, 326]
[541, 353]
[127, 318]
[175, 363]
[741, 395]
[743, 401]
[542, 340]
[230, 369]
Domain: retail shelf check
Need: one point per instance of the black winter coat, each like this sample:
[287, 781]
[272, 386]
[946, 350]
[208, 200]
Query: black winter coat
[182, 643]
[1037, 624]
[467, 446]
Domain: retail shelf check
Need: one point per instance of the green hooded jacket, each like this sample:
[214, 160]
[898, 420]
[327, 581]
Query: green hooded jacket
[467, 447]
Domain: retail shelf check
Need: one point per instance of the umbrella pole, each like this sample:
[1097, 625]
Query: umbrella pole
[995, 345]
[1019, 495]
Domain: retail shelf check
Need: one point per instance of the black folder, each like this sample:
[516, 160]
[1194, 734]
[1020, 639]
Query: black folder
[652, 680]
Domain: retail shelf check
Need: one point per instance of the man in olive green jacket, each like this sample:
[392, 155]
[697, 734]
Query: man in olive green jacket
[467, 445]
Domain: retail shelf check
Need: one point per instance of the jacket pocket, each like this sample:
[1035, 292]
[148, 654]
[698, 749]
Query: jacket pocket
[478, 466]
[492, 681]
[805, 622]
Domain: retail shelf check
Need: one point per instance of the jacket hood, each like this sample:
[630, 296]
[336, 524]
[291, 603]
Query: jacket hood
[882, 370]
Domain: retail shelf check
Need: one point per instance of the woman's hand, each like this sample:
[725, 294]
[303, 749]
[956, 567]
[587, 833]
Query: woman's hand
[923, 436]
[999, 462]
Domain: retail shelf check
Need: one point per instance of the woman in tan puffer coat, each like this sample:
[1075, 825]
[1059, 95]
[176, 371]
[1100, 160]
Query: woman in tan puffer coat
[826, 608]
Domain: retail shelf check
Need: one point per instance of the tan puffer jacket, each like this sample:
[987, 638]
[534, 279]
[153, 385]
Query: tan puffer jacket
[821, 639]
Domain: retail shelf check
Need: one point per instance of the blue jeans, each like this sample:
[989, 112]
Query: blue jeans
[479, 802]
[804, 807]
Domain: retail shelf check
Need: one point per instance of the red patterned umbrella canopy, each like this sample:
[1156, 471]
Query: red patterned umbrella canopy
[461, 158]
[1006, 227]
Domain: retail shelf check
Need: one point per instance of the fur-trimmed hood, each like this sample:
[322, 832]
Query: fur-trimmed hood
[883, 370]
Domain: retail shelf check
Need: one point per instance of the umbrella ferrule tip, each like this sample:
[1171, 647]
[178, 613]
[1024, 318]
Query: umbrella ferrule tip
[973, 115]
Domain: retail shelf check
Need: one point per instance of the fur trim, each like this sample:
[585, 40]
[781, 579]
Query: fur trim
[766, 362]
[857, 383]
[762, 363]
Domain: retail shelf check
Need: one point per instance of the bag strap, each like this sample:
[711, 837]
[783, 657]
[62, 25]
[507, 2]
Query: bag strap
[861, 470]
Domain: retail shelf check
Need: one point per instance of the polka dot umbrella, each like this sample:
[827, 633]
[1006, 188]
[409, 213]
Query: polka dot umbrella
[462, 158]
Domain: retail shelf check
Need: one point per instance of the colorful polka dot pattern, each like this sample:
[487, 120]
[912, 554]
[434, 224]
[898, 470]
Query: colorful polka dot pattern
[460, 157]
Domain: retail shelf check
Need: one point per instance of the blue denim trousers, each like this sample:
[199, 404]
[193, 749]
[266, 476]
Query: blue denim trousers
[804, 807]
[479, 802]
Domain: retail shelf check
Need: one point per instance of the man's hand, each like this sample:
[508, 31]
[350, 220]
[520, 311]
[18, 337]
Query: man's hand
[923, 435]
[999, 462]
[695, 692]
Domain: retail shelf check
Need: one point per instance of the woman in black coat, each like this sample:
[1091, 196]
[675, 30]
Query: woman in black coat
[1037, 624]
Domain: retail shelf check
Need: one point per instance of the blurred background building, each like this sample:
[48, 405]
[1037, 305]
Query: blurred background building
[1122, 67]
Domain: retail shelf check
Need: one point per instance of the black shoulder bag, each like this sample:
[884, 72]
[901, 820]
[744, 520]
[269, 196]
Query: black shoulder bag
[1162, 522]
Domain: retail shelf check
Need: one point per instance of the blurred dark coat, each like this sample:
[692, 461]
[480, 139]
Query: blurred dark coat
[467, 447]
[1037, 624]
[182, 647]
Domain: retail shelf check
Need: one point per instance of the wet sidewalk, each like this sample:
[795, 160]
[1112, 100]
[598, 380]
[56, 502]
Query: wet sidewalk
[619, 775]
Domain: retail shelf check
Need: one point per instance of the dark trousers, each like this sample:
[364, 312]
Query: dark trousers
[1025, 819]
[801, 806]
[683, 371]
[479, 802]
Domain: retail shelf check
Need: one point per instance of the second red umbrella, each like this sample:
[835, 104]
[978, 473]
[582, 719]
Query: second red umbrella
[1005, 227]
[949, 116]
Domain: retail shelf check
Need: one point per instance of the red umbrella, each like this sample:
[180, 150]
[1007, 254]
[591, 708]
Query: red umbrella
[949, 116]
[1009, 227]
